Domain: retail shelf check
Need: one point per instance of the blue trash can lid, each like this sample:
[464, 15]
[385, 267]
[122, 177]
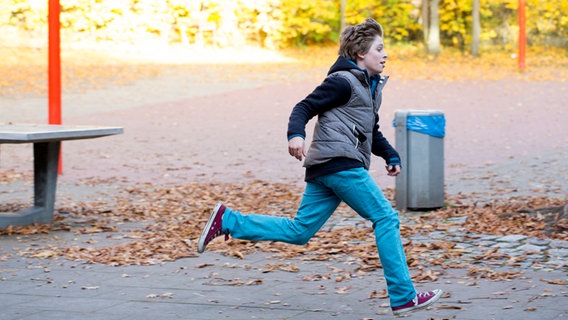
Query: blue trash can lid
[430, 122]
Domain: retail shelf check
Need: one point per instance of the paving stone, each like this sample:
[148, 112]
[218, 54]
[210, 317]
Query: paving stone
[458, 219]
[530, 248]
[559, 244]
[556, 262]
[489, 237]
[512, 238]
[539, 242]
[485, 243]
[505, 245]
[558, 252]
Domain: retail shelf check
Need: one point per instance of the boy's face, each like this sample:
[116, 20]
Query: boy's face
[374, 61]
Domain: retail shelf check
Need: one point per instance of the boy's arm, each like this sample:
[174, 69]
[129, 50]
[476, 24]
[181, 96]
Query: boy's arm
[382, 148]
[333, 92]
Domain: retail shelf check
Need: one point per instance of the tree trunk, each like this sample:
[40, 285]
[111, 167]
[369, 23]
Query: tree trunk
[434, 29]
[425, 21]
[342, 7]
[476, 28]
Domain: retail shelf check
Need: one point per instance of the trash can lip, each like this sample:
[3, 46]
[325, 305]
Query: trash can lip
[427, 112]
[430, 122]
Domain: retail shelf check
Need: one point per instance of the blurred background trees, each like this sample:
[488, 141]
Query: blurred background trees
[466, 25]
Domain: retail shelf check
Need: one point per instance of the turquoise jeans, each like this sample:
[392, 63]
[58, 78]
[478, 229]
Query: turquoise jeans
[358, 190]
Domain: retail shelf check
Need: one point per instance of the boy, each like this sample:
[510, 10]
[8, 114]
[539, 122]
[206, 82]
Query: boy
[337, 162]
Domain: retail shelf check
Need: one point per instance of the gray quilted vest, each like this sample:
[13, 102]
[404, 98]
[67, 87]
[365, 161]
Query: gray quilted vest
[347, 131]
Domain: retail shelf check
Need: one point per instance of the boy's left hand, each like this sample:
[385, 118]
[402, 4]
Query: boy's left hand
[393, 171]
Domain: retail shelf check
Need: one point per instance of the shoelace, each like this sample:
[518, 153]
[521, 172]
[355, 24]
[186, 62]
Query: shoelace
[423, 294]
[217, 234]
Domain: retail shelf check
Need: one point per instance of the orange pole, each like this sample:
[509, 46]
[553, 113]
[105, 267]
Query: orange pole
[522, 35]
[54, 66]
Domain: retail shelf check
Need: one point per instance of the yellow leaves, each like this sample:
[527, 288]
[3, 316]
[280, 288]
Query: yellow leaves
[542, 64]
[25, 71]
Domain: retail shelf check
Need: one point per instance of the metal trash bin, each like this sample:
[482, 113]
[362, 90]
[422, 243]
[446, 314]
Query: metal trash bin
[420, 142]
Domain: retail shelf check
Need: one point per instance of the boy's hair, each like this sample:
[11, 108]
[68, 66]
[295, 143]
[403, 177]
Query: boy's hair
[358, 38]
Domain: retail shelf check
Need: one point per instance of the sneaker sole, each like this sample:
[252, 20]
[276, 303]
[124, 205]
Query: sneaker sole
[201, 243]
[423, 306]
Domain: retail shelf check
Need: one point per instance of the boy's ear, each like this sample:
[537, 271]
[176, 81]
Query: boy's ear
[361, 56]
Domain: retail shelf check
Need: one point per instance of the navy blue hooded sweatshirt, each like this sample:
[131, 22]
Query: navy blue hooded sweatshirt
[334, 92]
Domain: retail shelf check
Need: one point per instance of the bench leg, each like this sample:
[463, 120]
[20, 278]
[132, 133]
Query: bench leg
[46, 161]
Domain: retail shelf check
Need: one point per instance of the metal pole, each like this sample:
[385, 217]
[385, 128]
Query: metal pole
[54, 67]
[522, 34]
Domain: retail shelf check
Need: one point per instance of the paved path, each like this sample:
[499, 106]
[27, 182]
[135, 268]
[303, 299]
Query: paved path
[504, 138]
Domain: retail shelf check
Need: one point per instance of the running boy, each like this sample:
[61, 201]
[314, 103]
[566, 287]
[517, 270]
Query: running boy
[337, 162]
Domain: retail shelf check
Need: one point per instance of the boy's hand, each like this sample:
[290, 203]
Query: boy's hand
[296, 148]
[393, 171]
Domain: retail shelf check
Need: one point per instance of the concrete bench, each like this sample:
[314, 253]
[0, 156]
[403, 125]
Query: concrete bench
[46, 141]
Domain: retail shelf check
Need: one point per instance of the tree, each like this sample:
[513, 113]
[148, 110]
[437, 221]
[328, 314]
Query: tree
[342, 7]
[432, 25]
[425, 20]
[476, 28]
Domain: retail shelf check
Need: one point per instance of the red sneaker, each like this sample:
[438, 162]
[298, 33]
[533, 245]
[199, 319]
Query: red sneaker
[213, 228]
[421, 301]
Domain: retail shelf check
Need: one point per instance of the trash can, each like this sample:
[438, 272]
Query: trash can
[420, 142]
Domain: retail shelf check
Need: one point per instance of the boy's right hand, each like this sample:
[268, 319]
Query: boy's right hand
[296, 147]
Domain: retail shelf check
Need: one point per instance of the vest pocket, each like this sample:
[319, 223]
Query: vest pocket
[361, 137]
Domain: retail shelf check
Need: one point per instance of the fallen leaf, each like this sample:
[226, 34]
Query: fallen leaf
[446, 306]
[556, 281]
[379, 295]
[344, 290]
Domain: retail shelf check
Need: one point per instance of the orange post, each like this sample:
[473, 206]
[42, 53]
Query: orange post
[54, 66]
[522, 34]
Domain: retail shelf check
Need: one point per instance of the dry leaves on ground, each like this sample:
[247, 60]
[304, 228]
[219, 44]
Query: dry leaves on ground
[165, 223]
[24, 71]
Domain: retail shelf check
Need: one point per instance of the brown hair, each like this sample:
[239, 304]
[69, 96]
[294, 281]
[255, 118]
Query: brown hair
[358, 38]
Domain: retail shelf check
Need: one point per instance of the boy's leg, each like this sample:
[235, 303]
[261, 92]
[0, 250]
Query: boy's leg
[358, 189]
[317, 205]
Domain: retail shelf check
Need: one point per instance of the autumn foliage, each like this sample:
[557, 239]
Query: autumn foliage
[24, 69]
[280, 23]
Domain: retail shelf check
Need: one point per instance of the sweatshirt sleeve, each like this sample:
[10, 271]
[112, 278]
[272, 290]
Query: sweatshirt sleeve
[382, 148]
[331, 93]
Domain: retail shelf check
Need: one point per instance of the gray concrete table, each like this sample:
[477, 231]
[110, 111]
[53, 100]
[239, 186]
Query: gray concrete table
[46, 141]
